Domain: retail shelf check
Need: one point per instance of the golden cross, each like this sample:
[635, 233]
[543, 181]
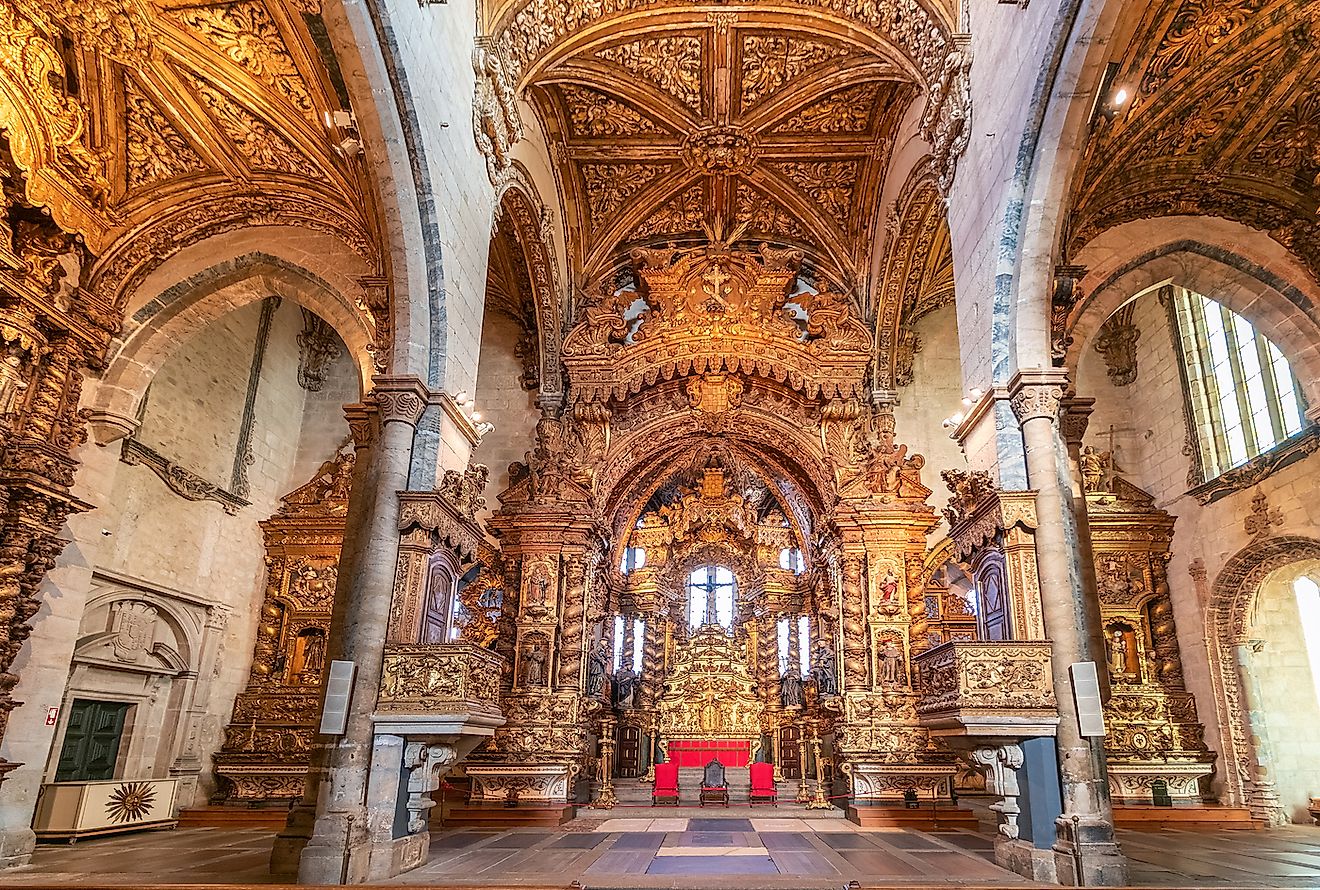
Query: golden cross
[715, 278]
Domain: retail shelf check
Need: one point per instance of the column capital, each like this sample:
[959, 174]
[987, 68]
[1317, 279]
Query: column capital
[1075, 418]
[401, 399]
[361, 418]
[1037, 392]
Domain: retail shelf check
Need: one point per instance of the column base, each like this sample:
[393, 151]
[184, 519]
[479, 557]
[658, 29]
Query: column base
[16, 846]
[1024, 858]
[1264, 804]
[338, 852]
[1102, 862]
[290, 841]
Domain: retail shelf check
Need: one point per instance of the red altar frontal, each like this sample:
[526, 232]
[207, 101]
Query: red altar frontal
[699, 752]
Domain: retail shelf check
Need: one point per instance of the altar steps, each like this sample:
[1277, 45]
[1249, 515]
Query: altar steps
[925, 818]
[1209, 817]
[637, 793]
[500, 817]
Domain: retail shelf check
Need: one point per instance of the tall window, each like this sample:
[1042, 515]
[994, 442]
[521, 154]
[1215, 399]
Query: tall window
[795, 644]
[1308, 606]
[710, 597]
[1243, 394]
[628, 642]
[633, 558]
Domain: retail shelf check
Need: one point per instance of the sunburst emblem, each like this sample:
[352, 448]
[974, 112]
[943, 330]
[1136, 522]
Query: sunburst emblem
[130, 802]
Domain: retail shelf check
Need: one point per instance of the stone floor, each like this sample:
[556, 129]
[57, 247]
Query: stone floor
[782, 850]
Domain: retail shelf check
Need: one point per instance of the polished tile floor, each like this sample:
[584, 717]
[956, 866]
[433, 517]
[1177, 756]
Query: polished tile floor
[671, 852]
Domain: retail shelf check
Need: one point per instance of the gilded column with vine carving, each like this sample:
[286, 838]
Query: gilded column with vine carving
[571, 622]
[855, 675]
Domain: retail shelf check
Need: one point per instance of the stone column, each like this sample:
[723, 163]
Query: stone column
[1035, 397]
[1073, 421]
[1262, 799]
[327, 838]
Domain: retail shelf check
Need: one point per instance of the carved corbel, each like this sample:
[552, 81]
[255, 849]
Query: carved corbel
[1000, 765]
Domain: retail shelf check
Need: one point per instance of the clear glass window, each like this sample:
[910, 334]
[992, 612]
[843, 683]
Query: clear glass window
[1243, 395]
[710, 597]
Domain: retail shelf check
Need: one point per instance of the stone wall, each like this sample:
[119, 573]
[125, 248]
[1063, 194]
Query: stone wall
[1149, 432]
[935, 393]
[197, 567]
[503, 402]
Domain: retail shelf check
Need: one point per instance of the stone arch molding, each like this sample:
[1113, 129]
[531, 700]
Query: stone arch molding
[1227, 622]
[518, 199]
[1245, 281]
[163, 323]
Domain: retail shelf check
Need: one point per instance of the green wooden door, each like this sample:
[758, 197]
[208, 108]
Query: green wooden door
[91, 741]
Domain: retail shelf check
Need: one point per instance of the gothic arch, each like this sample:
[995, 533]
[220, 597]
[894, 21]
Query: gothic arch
[520, 205]
[1254, 279]
[178, 312]
[1227, 620]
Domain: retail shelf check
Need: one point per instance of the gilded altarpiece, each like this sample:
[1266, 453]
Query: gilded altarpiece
[1155, 740]
[268, 740]
[725, 424]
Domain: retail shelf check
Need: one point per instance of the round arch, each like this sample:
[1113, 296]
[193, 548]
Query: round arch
[174, 314]
[1227, 622]
[1256, 279]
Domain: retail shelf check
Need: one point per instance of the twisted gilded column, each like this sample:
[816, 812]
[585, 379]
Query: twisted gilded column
[855, 674]
[1035, 397]
[571, 623]
[327, 838]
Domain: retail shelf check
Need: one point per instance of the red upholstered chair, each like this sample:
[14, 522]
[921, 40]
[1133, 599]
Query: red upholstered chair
[665, 789]
[763, 784]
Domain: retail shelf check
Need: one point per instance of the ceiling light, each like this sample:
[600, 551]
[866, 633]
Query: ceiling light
[461, 397]
[1119, 98]
[476, 415]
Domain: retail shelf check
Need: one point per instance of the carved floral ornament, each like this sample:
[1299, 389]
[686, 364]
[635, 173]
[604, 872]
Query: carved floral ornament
[732, 115]
[718, 311]
[1220, 122]
[213, 113]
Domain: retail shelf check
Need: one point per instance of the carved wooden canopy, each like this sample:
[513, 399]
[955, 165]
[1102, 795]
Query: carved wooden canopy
[664, 127]
[1223, 120]
[716, 311]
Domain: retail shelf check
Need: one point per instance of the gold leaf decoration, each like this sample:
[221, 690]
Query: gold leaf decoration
[769, 61]
[130, 802]
[766, 215]
[683, 213]
[671, 63]
[596, 114]
[829, 183]
[256, 140]
[610, 185]
[155, 149]
[246, 33]
[844, 111]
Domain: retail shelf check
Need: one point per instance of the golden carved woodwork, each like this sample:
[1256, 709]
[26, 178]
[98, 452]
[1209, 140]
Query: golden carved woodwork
[717, 311]
[447, 678]
[268, 740]
[709, 692]
[1153, 731]
[1221, 121]
[145, 129]
[738, 116]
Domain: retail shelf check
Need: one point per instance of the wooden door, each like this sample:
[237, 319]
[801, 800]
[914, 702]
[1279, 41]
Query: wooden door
[790, 755]
[630, 752]
[91, 741]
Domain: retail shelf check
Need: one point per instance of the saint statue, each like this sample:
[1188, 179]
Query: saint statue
[598, 664]
[891, 665]
[314, 654]
[12, 383]
[790, 689]
[1118, 653]
[889, 588]
[533, 664]
[822, 671]
[625, 687]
